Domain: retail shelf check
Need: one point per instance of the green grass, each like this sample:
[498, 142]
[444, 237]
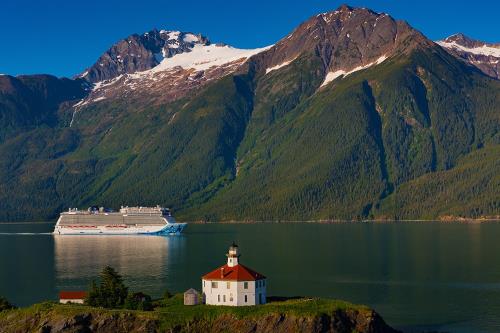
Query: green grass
[172, 312]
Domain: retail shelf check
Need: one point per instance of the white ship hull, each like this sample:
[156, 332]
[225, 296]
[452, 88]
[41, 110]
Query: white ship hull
[115, 223]
[168, 229]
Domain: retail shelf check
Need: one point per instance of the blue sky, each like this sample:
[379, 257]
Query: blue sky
[62, 37]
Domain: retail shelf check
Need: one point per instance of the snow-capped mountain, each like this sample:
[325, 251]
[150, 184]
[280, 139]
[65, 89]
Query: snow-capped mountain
[484, 56]
[165, 65]
[141, 52]
[161, 66]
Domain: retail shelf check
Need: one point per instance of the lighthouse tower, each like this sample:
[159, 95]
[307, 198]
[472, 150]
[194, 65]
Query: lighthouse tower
[233, 255]
[234, 284]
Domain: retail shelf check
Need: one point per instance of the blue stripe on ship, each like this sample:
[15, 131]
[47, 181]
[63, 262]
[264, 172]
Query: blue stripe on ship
[175, 228]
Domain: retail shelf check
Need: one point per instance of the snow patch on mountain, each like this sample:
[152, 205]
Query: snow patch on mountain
[174, 76]
[330, 76]
[190, 38]
[203, 57]
[283, 64]
[105, 83]
[483, 50]
[172, 35]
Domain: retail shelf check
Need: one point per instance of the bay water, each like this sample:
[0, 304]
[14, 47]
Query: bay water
[419, 276]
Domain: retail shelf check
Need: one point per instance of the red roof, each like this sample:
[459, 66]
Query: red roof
[72, 295]
[236, 273]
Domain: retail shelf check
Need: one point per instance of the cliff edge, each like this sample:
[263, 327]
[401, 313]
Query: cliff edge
[294, 315]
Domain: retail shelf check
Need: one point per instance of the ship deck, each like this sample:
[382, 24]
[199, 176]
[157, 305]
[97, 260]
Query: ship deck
[110, 219]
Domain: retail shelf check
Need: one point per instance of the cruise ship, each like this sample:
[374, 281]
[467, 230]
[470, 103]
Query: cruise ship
[128, 221]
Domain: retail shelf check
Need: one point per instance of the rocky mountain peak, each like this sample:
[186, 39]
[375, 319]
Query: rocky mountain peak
[347, 38]
[463, 40]
[469, 42]
[482, 55]
[345, 8]
[141, 52]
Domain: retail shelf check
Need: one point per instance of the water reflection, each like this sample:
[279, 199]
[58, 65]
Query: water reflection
[143, 261]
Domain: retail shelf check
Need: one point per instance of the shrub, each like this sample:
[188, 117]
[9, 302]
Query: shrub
[138, 301]
[167, 294]
[4, 304]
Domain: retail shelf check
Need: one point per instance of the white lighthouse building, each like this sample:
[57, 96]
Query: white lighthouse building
[234, 284]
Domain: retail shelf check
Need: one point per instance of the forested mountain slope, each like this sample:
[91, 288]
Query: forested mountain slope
[353, 115]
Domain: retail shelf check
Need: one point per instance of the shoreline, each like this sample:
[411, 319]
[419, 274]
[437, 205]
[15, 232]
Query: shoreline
[375, 221]
[279, 315]
[458, 220]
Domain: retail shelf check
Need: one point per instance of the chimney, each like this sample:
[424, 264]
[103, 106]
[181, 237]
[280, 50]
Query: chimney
[222, 272]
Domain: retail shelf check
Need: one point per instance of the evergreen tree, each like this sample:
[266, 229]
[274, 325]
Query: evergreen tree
[111, 292]
[93, 295]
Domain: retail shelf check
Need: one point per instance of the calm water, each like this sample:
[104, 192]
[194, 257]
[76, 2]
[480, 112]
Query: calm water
[419, 276]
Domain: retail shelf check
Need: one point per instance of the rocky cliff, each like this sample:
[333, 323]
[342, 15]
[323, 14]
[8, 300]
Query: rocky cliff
[50, 318]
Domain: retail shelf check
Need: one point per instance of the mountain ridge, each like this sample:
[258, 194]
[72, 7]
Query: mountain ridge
[141, 52]
[344, 118]
[482, 55]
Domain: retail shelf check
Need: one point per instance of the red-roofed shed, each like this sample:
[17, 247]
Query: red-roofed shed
[72, 297]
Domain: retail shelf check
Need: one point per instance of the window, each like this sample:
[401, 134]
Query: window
[245, 286]
[224, 298]
[260, 298]
[218, 298]
[246, 298]
[214, 284]
[228, 285]
[203, 283]
[230, 297]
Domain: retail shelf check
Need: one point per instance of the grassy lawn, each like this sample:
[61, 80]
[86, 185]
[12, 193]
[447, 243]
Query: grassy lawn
[173, 312]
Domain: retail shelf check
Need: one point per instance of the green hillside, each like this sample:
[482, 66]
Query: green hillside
[338, 152]
[468, 190]
[415, 137]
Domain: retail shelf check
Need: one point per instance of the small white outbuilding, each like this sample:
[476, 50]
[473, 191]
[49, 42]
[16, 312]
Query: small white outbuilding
[234, 284]
[191, 297]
